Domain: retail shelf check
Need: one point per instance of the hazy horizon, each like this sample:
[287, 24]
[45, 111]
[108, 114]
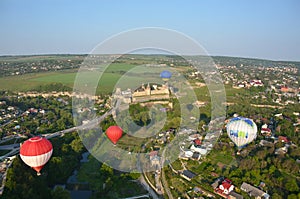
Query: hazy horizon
[257, 29]
[154, 54]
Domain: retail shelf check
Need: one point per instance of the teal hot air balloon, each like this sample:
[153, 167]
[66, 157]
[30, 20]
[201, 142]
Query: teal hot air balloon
[241, 131]
[165, 75]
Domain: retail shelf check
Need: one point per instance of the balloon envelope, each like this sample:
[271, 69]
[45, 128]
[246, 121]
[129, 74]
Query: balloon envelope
[114, 133]
[35, 152]
[241, 131]
[166, 75]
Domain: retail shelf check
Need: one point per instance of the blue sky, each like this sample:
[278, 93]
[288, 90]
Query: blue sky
[261, 29]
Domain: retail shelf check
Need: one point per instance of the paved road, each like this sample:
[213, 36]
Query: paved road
[163, 177]
[143, 181]
[16, 147]
[148, 188]
[9, 146]
[9, 138]
[134, 197]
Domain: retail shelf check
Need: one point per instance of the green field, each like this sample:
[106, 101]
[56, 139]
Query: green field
[128, 75]
[37, 58]
[221, 156]
[31, 81]
[109, 78]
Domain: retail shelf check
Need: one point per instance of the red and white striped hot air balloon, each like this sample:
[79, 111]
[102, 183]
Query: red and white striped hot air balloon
[36, 152]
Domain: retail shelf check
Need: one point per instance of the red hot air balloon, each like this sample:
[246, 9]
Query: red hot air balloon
[36, 152]
[114, 133]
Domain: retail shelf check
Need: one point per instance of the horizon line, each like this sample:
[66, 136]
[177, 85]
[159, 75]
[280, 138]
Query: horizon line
[151, 54]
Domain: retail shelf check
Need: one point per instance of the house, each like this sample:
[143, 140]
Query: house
[155, 162]
[256, 83]
[198, 190]
[254, 192]
[265, 130]
[10, 108]
[188, 154]
[182, 156]
[17, 127]
[283, 139]
[282, 150]
[224, 188]
[196, 156]
[202, 151]
[154, 159]
[33, 110]
[278, 115]
[216, 182]
[188, 175]
[284, 89]
[153, 153]
[262, 184]
[197, 142]
[194, 137]
[265, 143]
[234, 195]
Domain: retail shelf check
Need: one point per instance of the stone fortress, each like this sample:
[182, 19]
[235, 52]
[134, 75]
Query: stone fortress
[145, 93]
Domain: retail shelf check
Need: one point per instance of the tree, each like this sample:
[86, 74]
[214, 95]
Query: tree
[291, 185]
[61, 124]
[272, 169]
[22, 182]
[106, 170]
[60, 193]
[292, 196]
[77, 145]
[276, 196]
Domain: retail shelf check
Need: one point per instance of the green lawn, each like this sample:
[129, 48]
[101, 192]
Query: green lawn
[220, 156]
[232, 92]
[130, 142]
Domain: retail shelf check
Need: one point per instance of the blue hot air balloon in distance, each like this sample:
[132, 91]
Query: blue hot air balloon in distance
[241, 131]
[165, 75]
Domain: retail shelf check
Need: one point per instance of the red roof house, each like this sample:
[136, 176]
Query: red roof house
[225, 188]
[283, 139]
[197, 142]
[153, 153]
[284, 89]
